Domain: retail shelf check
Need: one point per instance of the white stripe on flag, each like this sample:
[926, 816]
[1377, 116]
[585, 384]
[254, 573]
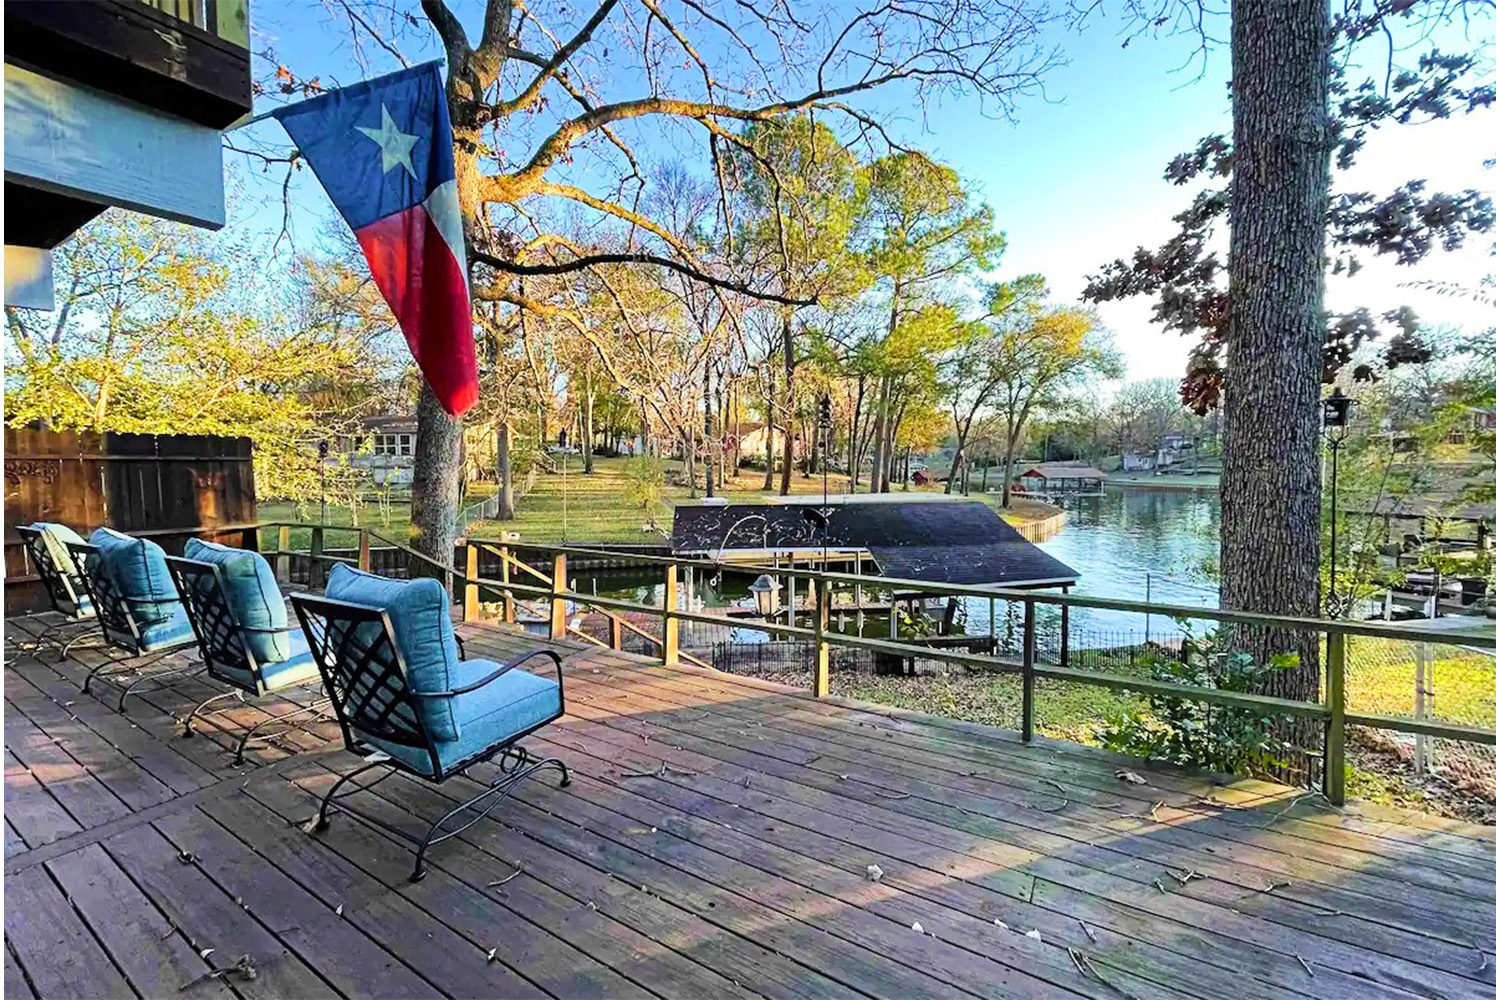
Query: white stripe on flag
[442, 208]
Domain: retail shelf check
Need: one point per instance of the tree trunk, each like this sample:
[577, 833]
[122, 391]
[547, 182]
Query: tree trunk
[436, 471]
[1010, 468]
[505, 473]
[708, 431]
[436, 466]
[854, 442]
[877, 464]
[789, 398]
[770, 442]
[958, 461]
[587, 421]
[1278, 212]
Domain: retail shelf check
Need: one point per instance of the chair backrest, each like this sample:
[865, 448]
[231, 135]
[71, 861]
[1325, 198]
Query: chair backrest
[64, 589]
[363, 672]
[110, 606]
[220, 637]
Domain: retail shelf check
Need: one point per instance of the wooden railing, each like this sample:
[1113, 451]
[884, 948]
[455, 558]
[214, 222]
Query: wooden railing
[552, 594]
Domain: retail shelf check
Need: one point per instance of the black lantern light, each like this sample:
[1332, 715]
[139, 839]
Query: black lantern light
[1336, 409]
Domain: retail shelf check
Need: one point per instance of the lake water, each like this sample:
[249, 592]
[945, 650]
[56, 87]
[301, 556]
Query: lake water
[1131, 543]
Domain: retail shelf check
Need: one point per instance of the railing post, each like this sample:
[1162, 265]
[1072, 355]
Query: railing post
[559, 616]
[1028, 671]
[1333, 745]
[284, 553]
[616, 633]
[471, 588]
[315, 573]
[1062, 654]
[669, 653]
[364, 549]
[508, 612]
[819, 593]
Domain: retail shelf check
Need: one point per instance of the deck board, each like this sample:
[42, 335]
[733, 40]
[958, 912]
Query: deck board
[715, 841]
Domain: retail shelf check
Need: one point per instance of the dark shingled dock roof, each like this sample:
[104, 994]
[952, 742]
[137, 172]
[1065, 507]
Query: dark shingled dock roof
[959, 541]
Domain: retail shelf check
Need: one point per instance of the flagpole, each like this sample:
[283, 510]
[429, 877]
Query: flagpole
[267, 114]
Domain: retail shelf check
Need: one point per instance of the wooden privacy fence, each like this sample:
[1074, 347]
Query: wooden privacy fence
[167, 487]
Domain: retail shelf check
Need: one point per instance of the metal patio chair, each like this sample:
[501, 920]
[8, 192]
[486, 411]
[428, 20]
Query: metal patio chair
[71, 614]
[386, 720]
[246, 658]
[145, 642]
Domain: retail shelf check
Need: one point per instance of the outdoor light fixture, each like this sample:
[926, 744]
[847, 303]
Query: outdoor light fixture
[765, 590]
[1336, 407]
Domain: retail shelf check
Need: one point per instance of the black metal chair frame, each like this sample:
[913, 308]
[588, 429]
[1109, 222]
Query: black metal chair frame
[223, 646]
[65, 592]
[113, 610]
[365, 674]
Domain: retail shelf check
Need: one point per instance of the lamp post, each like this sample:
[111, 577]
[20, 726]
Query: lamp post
[1336, 409]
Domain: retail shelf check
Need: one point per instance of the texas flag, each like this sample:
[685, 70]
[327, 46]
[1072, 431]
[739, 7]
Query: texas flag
[384, 152]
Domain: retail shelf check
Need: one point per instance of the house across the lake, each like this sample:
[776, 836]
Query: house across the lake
[1059, 477]
[385, 446]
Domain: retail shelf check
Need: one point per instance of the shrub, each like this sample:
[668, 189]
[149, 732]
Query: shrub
[1193, 733]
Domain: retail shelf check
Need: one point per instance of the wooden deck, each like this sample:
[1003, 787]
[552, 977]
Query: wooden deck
[716, 841]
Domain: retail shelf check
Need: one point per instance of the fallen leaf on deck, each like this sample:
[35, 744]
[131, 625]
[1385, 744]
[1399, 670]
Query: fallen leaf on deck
[874, 873]
[917, 927]
[1127, 775]
[491, 956]
[338, 911]
[1034, 934]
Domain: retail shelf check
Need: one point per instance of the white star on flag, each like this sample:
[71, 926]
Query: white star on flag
[395, 145]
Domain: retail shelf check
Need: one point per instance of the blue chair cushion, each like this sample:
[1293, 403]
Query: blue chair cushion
[251, 589]
[165, 634]
[138, 566]
[298, 667]
[489, 716]
[57, 537]
[421, 618]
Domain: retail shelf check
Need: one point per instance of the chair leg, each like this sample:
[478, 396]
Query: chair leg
[322, 821]
[159, 676]
[251, 735]
[104, 670]
[497, 791]
[187, 723]
[89, 639]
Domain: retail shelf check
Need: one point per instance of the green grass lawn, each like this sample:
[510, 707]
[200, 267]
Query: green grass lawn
[1381, 680]
[1064, 710]
[392, 521]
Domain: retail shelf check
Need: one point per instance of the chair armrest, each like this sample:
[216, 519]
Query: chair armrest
[150, 600]
[461, 654]
[261, 630]
[505, 668]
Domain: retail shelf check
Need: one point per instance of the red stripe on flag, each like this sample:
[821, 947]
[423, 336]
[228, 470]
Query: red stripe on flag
[424, 286]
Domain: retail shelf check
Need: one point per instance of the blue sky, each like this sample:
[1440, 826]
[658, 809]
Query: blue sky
[1075, 180]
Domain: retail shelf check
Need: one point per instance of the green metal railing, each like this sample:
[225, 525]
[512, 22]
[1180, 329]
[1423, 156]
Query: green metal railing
[552, 591]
